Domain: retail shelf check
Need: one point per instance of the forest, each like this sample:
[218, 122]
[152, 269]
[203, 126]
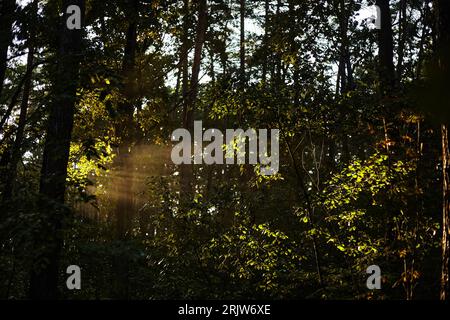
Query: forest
[224, 149]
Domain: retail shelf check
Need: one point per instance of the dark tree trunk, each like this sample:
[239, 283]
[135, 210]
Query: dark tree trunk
[183, 64]
[444, 293]
[442, 8]
[186, 170]
[184, 58]
[44, 276]
[13, 102]
[401, 39]
[125, 125]
[123, 165]
[345, 75]
[423, 38]
[265, 42]
[242, 42]
[278, 62]
[386, 49]
[7, 8]
[199, 42]
[17, 146]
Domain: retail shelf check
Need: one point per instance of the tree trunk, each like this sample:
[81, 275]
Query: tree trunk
[345, 75]
[444, 293]
[265, 42]
[17, 146]
[7, 8]
[184, 58]
[442, 8]
[278, 62]
[125, 126]
[386, 47]
[401, 38]
[48, 242]
[186, 174]
[423, 39]
[123, 165]
[242, 43]
[199, 41]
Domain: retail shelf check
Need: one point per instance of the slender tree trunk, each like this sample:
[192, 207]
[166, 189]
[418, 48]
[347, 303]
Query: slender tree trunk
[48, 243]
[125, 126]
[13, 102]
[341, 12]
[401, 39]
[386, 49]
[184, 60]
[345, 76]
[242, 42]
[17, 146]
[423, 38]
[123, 165]
[304, 197]
[211, 67]
[7, 8]
[265, 41]
[442, 12]
[278, 61]
[198, 50]
[185, 169]
[444, 293]
[182, 65]
[386, 67]
[186, 175]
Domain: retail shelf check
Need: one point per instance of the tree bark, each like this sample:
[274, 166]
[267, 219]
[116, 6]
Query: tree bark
[266, 50]
[48, 242]
[199, 41]
[186, 170]
[123, 166]
[184, 57]
[17, 146]
[442, 11]
[401, 39]
[345, 81]
[125, 126]
[444, 293]
[7, 8]
[423, 38]
[242, 43]
[386, 49]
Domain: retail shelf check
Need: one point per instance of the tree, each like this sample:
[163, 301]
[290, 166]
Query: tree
[44, 276]
[17, 152]
[386, 48]
[125, 125]
[191, 96]
[442, 11]
[7, 8]
[242, 41]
